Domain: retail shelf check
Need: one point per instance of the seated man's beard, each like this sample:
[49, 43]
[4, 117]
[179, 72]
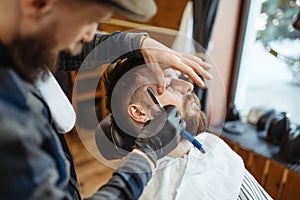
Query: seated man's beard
[195, 118]
[32, 57]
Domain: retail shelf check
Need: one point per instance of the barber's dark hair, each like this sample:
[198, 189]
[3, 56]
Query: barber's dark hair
[113, 74]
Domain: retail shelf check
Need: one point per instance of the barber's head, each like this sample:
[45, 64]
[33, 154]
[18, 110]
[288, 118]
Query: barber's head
[126, 83]
[35, 31]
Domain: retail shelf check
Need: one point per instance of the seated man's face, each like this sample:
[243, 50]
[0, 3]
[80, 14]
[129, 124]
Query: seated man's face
[126, 83]
[178, 93]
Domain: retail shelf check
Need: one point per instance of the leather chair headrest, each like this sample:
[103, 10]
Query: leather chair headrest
[111, 141]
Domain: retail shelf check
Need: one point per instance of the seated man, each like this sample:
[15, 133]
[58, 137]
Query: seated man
[186, 173]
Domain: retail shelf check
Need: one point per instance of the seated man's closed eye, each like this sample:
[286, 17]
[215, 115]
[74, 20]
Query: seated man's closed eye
[132, 107]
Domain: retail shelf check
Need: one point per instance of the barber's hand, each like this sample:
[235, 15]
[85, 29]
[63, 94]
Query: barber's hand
[159, 57]
[161, 135]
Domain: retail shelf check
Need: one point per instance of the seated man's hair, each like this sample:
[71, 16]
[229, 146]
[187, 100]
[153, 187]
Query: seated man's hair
[122, 82]
[113, 74]
[119, 77]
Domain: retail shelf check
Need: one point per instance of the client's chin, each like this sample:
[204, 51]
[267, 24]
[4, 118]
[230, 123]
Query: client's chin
[195, 118]
[195, 124]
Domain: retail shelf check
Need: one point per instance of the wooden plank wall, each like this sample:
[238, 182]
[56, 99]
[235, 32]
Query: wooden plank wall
[168, 15]
[280, 182]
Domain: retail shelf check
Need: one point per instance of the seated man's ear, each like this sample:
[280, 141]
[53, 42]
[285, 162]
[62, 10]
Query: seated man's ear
[137, 113]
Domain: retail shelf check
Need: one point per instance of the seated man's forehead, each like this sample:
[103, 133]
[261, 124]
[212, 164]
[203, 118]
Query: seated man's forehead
[172, 73]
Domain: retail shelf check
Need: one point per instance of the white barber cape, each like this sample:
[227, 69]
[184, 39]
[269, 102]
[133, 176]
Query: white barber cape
[218, 174]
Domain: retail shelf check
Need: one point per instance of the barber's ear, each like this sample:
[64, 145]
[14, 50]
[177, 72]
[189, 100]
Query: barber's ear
[137, 113]
[35, 8]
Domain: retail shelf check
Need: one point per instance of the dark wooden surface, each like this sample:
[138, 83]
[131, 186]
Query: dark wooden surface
[280, 178]
[252, 140]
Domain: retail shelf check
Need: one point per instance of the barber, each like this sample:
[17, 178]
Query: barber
[33, 35]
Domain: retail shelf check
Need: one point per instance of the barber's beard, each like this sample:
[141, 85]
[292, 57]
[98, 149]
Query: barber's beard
[33, 56]
[195, 118]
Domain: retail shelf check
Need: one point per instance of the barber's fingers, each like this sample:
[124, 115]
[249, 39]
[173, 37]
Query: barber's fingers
[198, 60]
[189, 68]
[159, 75]
[155, 55]
[155, 52]
[160, 87]
[199, 68]
[185, 69]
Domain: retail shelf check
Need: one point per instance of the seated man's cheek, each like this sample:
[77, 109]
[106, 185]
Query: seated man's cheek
[168, 98]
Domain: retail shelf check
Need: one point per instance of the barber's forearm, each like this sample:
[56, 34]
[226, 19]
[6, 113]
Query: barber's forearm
[129, 180]
[107, 48]
[68, 62]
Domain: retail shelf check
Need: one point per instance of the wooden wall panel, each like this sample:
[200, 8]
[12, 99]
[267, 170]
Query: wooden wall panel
[162, 26]
[168, 14]
[244, 154]
[279, 181]
[274, 180]
[291, 189]
[258, 168]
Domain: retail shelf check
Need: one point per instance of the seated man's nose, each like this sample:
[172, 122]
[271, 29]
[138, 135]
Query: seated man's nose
[183, 86]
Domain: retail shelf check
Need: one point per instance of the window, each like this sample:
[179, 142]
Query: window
[264, 79]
